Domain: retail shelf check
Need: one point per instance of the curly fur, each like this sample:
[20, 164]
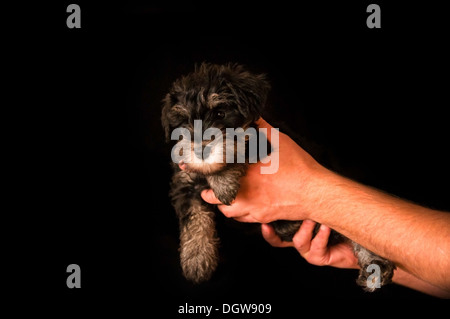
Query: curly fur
[238, 96]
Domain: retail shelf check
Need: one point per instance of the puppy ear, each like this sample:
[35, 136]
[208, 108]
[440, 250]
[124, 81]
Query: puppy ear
[252, 94]
[167, 104]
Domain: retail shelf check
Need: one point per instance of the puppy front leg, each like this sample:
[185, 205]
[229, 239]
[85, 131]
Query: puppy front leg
[198, 237]
[198, 243]
[368, 278]
[225, 184]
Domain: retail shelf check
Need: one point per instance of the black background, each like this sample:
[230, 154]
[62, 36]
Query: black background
[96, 170]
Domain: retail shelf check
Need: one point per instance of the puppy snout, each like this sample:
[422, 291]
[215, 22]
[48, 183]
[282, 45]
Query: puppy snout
[198, 151]
[206, 151]
[202, 151]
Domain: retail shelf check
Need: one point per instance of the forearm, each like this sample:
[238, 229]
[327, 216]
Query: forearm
[403, 278]
[415, 238]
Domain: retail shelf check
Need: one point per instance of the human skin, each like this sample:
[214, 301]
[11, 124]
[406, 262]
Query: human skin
[316, 251]
[415, 238]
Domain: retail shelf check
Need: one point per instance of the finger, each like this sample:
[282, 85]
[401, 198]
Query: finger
[302, 239]
[231, 211]
[272, 238]
[246, 219]
[264, 125]
[209, 197]
[320, 241]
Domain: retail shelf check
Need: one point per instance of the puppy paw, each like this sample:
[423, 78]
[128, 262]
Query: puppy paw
[199, 264]
[198, 243]
[226, 193]
[375, 271]
[286, 229]
[225, 186]
[227, 196]
[376, 275]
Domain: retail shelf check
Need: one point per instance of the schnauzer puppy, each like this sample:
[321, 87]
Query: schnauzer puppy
[224, 96]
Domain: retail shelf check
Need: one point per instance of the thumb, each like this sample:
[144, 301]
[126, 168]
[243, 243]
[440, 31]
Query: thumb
[272, 238]
[264, 125]
[209, 197]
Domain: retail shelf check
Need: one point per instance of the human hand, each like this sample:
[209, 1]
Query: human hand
[284, 195]
[314, 250]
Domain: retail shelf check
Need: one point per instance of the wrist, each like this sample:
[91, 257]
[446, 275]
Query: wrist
[315, 193]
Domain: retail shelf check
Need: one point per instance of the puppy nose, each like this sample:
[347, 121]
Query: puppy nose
[202, 152]
[206, 151]
[198, 151]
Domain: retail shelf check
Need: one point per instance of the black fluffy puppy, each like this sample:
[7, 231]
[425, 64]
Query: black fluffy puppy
[222, 96]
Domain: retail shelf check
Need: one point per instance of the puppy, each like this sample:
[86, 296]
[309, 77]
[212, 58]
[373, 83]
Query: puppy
[224, 96]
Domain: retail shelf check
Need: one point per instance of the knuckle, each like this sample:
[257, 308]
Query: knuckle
[299, 243]
[227, 212]
[264, 219]
[300, 247]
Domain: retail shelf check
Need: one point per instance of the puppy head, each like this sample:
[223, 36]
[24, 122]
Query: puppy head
[221, 96]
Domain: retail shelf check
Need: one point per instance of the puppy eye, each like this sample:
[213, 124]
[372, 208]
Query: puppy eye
[220, 114]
